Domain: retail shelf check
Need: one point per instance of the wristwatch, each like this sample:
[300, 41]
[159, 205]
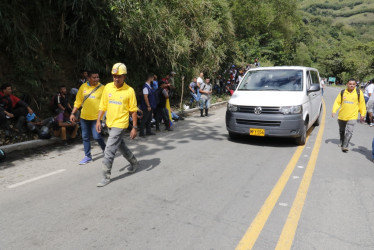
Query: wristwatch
[135, 127]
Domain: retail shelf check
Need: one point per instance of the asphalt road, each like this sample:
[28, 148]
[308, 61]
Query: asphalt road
[196, 189]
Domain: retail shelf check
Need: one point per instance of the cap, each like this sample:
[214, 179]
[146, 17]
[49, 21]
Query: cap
[119, 69]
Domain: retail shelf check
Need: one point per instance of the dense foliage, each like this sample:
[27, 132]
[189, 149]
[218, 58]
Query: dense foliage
[45, 43]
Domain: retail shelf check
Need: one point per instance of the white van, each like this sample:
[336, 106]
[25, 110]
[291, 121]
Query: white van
[275, 101]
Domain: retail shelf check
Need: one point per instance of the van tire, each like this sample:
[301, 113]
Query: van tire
[302, 139]
[318, 121]
[233, 136]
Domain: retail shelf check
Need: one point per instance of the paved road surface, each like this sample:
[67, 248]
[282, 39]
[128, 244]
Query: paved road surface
[196, 190]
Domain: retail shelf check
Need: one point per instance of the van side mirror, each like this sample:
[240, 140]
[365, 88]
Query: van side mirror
[314, 88]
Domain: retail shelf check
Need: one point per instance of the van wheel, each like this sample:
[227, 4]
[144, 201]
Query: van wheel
[318, 121]
[233, 136]
[302, 139]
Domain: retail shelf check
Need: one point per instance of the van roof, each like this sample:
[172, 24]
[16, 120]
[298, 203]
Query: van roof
[283, 67]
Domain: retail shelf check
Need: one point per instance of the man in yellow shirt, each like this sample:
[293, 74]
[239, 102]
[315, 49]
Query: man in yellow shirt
[350, 102]
[88, 97]
[119, 101]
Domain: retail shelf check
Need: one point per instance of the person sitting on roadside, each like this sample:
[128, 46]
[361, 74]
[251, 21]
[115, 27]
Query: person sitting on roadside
[88, 97]
[65, 127]
[12, 107]
[60, 101]
[35, 123]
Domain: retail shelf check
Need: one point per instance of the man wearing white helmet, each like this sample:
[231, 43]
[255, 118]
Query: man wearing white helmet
[119, 101]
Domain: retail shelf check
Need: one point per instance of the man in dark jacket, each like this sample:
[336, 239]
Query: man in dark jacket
[12, 107]
[162, 94]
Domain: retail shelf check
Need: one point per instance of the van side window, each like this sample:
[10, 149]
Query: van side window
[308, 80]
[315, 77]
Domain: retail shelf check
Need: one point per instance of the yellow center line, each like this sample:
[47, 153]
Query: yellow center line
[289, 229]
[250, 237]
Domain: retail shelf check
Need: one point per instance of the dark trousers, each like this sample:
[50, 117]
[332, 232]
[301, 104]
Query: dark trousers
[146, 122]
[17, 112]
[162, 114]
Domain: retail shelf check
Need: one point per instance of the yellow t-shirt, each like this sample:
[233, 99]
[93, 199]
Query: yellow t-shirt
[350, 105]
[90, 109]
[118, 103]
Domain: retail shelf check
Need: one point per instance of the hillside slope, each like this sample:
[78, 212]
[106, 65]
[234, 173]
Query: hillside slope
[337, 37]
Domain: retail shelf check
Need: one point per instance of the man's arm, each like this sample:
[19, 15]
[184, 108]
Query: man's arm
[362, 106]
[191, 89]
[337, 104]
[72, 115]
[133, 133]
[98, 121]
[147, 102]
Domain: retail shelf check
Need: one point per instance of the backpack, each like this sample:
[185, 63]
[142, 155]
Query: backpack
[358, 94]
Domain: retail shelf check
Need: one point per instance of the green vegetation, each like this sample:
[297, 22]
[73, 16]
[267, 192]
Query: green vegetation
[45, 43]
[336, 37]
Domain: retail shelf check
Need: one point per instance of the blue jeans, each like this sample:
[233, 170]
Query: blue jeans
[88, 127]
[195, 96]
[204, 102]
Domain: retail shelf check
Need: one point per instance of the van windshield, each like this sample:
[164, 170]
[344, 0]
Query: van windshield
[272, 80]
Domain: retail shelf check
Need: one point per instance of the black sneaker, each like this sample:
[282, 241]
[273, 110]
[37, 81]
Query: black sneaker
[133, 168]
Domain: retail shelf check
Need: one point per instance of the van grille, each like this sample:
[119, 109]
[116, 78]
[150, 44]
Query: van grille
[259, 123]
[265, 110]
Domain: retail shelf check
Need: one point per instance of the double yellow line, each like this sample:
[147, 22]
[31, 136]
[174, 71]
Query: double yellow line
[289, 229]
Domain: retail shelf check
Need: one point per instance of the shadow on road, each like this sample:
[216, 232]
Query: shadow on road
[364, 151]
[146, 165]
[337, 142]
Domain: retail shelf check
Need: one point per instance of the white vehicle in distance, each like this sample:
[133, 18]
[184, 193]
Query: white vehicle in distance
[275, 101]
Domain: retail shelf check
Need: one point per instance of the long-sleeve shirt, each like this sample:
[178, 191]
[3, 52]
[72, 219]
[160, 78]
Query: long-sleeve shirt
[350, 106]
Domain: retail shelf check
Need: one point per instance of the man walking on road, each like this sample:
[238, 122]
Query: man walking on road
[119, 101]
[88, 97]
[350, 101]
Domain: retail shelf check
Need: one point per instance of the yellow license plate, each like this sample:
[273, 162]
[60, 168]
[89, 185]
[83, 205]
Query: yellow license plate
[257, 131]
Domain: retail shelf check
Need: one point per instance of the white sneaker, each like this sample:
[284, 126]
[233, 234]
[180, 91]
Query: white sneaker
[371, 124]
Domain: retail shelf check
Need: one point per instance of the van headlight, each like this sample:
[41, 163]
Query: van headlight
[232, 108]
[289, 110]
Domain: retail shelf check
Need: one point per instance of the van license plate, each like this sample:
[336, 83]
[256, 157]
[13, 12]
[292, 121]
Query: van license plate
[257, 132]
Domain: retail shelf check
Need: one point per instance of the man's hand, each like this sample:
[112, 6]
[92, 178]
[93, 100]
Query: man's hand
[362, 118]
[10, 115]
[333, 114]
[72, 118]
[149, 108]
[98, 126]
[133, 133]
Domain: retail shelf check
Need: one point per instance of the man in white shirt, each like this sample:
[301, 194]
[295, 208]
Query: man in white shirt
[368, 91]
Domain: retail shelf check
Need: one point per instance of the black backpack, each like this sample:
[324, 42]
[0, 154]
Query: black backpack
[158, 94]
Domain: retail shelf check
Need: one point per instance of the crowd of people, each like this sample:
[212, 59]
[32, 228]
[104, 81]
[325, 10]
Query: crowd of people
[201, 89]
